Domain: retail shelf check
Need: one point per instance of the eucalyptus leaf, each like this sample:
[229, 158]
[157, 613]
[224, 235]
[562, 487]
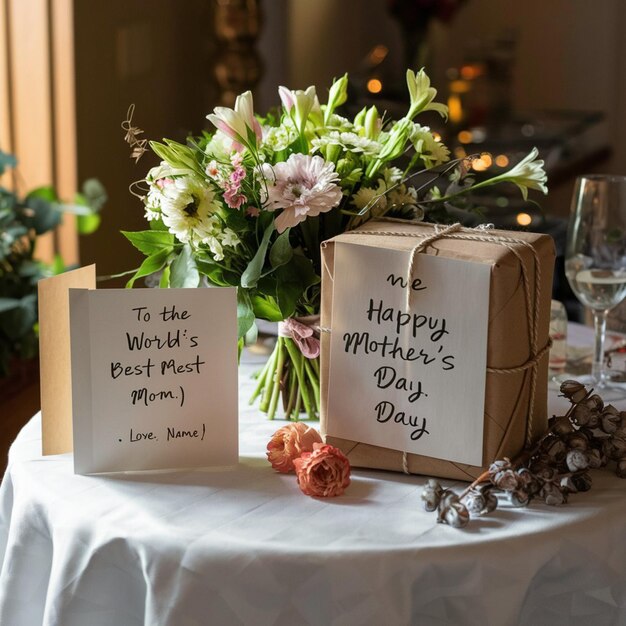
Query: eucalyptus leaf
[183, 270]
[150, 265]
[44, 213]
[252, 335]
[245, 313]
[151, 241]
[252, 273]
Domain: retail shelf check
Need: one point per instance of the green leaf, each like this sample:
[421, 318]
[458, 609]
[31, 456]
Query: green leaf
[183, 270]
[245, 313]
[58, 266]
[6, 161]
[45, 213]
[266, 308]
[95, 194]
[293, 280]
[164, 283]
[6, 304]
[88, 224]
[252, 335]
[281, 251]
[150, 265]
[151, 241]
[252, 273]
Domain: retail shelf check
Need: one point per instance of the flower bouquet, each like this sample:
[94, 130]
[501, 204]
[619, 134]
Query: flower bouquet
[249, 204]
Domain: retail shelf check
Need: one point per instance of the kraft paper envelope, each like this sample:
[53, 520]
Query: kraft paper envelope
[54, 356]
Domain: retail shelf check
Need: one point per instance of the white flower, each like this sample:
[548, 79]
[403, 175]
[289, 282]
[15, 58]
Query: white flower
[215, 247]
[348, 141]
[220, 147]
[229, 238]
[299, 104]
[186, 208]
[277, 138]
[402, 196]
[392, 176]
[302, 186]
[433, 152]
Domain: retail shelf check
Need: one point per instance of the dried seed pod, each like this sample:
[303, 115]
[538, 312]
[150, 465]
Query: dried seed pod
[582, 415]
[594, 402]
[491, 501]
[475, 502]
[519, 497]
[573, 390]
[556, 449]
[562, 425]
[620, 469]
[499, 466]
[577, 441]
[455, 515]
[553, 495]
[567, 484]
[431, 494]
[618, 448]
[596, 458]
[507, 480]
[543, 471]
[430, 499]
[529, 482]
[582, 482]
[577, 460]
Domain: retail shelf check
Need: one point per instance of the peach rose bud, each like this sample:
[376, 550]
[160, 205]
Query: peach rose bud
[325, 472]
[288, 443]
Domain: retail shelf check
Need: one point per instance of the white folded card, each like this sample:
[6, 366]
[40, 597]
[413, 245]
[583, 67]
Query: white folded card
[409, 378]
[154, 378]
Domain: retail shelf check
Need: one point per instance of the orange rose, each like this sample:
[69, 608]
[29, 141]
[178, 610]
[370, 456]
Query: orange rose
[324, 472]
[288, 443]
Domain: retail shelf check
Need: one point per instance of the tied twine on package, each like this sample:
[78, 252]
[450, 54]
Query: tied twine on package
[515, 412]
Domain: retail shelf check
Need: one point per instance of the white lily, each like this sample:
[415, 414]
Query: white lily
[238, 123]
[527, 174]
[422, 95]
[299, 104]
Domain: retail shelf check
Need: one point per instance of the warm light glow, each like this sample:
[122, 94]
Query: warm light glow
[459, 153]
[502, 160]
[378, 54]
[479, 165]
[523, 219]
[465, 136]
[436, 136]
[469, 72]
[374, 85]
[455, 110]
[459, 86]
[485, 157]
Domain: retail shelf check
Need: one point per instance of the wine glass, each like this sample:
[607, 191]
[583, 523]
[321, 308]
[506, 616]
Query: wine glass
[595, 259]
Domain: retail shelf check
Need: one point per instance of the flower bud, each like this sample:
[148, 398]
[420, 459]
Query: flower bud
[475, 502]
[528, 482]
[578, 440]
[372, 123]
[431, 495]
[506, 480]
[594, 402]
[499, 466]
[609, 421]
[573, 390]
[337, 95]
[562, 426]
[596, 458]
[519, 498]
[582, 415]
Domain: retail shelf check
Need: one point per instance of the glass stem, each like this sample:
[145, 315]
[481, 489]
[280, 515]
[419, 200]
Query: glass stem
[597, 367]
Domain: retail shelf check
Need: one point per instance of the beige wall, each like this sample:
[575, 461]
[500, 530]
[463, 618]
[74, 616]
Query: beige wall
[152, 54]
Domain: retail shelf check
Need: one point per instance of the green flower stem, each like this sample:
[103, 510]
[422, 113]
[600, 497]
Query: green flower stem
[261, 379]
[314, 380]
[298, 359]
[292, 385]
[277, 377]
[267, 390]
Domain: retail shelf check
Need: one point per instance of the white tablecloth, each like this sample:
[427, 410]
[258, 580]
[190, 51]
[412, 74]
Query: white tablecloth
[246, 547]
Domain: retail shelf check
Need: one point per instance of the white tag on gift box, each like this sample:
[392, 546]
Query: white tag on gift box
[154, 378]
[410, 380]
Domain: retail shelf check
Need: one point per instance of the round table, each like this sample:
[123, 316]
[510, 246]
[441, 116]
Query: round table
[246, 547]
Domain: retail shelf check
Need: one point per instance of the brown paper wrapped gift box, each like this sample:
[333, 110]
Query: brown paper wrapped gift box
[516, 310]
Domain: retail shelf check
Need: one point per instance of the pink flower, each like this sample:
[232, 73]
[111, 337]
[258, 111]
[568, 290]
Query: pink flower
[164, 182]
[302, 186]
[325, 472]
[238, 121]
[234, 199]
[288, 443]
[253, 211]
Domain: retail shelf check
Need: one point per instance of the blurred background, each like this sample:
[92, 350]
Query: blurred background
[514, 75]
